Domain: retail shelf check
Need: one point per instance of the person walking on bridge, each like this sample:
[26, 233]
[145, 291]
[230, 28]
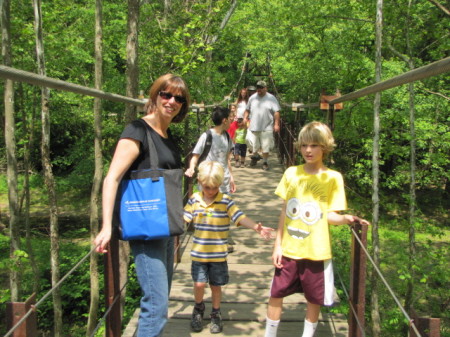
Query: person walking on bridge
[263, 110]
[314, 197]
[212, 214]
[168, 102]
[220, 149]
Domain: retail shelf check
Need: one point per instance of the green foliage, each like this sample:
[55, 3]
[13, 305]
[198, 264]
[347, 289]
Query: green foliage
[429, 274]
[300, 47]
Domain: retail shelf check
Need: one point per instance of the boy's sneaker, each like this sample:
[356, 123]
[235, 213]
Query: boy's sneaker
[216, 322]
[197, 320]
[237, 164]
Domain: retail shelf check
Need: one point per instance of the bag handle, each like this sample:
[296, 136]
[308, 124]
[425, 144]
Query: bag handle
[153, 155]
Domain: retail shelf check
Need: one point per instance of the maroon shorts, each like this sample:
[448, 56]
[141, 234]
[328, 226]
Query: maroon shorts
[313, 278]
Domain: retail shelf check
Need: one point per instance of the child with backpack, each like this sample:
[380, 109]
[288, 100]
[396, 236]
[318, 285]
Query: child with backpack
[220, 145]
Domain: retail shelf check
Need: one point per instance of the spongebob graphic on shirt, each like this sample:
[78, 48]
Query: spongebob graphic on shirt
[309, 198]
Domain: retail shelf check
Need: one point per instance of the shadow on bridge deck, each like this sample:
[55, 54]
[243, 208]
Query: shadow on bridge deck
[244, 299]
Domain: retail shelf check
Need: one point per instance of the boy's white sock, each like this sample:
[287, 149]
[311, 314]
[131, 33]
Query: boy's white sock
[309, 328]
[271, 327]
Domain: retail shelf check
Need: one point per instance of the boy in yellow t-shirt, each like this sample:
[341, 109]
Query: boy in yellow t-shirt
[211, 212]
[313, 195]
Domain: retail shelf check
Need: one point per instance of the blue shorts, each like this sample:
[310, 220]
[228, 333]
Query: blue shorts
[214, 273]
[240, 149]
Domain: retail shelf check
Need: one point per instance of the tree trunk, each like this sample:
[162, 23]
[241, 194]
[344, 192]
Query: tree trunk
[28, 123]
[210, 40]
[132, 72]
[375, 312]
[167, 4]
[224, 22]
[48, 173]
[132, 75]
[11, 159]
[440, 6]
[98, 173]
[408, 59]
[412, 184]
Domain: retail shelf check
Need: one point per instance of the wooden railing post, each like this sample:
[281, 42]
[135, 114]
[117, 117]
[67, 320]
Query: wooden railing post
[427, 326]
[279, 140]
[113, 321]
[291, 149]
[357, 283]
[14, 313]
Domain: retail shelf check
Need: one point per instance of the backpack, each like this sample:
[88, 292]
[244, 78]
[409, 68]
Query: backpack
[208, 144]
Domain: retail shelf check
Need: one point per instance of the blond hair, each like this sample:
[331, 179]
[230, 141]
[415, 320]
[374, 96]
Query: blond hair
[317, 133]
[210, 173]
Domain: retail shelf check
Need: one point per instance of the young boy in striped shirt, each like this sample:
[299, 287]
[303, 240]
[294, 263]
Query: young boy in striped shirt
[211, 213]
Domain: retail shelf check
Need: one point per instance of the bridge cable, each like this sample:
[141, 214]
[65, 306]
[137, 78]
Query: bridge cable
[35, 306]
[48, 82]
[411, 321]
[350, 303]
[100, 322]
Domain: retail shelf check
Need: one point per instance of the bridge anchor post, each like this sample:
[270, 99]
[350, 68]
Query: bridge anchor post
[14, 313]
[357, 298]
[427, 326]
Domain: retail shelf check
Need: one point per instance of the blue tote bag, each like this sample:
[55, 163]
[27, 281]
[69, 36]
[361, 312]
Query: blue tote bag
[149, 204]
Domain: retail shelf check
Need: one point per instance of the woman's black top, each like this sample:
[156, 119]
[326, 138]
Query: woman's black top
[168, 152]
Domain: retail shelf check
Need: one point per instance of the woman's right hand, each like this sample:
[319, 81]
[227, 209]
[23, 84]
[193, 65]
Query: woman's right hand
[102, 240]
[127, 151]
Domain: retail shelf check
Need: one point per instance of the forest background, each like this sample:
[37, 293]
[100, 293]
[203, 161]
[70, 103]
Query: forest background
[300, 48]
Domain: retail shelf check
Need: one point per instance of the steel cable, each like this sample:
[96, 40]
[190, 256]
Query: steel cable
[386, 284]
[100, 322]
[34, 307]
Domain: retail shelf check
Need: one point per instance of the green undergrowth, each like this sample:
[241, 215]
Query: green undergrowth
[429, 272]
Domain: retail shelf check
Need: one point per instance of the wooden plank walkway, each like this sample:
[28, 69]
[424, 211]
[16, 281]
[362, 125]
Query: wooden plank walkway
[244, 299]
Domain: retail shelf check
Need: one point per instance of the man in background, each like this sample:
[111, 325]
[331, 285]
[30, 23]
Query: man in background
[263, 112]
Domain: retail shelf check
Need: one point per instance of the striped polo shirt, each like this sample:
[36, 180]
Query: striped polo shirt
[212, 224]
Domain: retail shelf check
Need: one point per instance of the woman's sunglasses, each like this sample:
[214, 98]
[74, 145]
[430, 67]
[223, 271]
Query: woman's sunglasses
[168, 95]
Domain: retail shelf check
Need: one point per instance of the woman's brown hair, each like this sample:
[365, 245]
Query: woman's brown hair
[169, 82]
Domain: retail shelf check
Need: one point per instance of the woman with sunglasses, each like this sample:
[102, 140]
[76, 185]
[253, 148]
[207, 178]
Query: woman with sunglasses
[168, 102]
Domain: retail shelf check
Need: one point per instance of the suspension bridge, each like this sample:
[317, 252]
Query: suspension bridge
[244, 299]
[251, 270]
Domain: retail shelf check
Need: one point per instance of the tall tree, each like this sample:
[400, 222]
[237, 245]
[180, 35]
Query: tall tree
[132, 78]
[10, 141]
[212, 39]
[408, 59]
[98, 171]
[375, 312]
[28, 121]
[48, 172]
[132, 71]
[440, 6]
